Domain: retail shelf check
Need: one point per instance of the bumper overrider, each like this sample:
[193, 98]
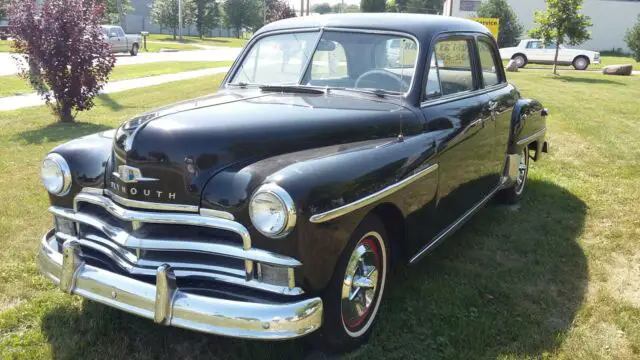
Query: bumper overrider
[167, 304]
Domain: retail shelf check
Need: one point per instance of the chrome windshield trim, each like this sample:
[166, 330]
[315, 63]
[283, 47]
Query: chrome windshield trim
[150, 205]
[532, 137]
[370, 199]
[123, 238]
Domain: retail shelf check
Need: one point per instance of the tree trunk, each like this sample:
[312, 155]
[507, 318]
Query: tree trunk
[555, 59]
[64, 113]
[175, 33]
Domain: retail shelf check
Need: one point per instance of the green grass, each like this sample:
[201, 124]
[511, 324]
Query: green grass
[209, 41]
[11, 85]
[555, 277]
[153, 46]
[5, 45]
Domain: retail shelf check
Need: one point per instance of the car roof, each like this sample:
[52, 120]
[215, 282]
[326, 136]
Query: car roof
[419, 25]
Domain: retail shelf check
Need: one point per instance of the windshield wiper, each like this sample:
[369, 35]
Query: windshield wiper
[242, 85]
[374, 91]
[299, 89]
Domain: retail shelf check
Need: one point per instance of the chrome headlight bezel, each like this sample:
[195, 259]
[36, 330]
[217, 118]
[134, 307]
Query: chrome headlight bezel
[289, 210]
[65, 174]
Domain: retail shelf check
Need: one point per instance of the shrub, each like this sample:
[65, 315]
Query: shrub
[67, 58]
[633, 40]
[510, 27]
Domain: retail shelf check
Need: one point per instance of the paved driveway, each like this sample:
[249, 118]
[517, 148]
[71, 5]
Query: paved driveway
[8, 65]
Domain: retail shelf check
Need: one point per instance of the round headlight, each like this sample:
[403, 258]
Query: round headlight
[272, 211]
[56, 175]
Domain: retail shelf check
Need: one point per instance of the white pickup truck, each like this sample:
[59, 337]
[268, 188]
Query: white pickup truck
[534, 51]
[121, 42]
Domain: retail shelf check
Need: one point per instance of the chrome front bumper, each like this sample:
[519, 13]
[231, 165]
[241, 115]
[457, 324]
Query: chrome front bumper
[166, 304]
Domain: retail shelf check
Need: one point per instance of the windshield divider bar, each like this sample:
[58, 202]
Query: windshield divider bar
[307, 65]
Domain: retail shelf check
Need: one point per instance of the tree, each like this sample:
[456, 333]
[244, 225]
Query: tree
[62, 43]
[4, 4]
[632, 39]
[373, 5]
[338, 8]
[112, 14]
[423, 6]
[278, 10]
[207, 16]
[323, 8]
[239, 14]
[510, 28]
[165, 13]
[562, 23]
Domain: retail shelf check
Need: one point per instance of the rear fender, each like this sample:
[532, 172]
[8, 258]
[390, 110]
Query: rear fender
[528, 127]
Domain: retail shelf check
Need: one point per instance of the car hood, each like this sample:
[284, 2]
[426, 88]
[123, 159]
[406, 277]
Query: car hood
[177, 149]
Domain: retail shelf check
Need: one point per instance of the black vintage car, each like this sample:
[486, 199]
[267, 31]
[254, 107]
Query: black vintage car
[336, 146]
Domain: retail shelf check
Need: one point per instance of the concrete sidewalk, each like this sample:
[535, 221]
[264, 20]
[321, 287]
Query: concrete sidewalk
[33, 99]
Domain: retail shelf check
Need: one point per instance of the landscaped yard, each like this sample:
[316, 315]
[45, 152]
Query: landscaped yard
[11, 85]
[556, 276]
[210, 41]
[605, 60]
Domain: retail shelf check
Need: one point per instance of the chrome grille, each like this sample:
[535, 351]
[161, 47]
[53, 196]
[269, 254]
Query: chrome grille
[138, 242]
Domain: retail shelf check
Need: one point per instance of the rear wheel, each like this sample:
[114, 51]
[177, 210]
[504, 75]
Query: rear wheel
[581, 63]
[134, 50]
[514, 193]
[352, 299]
[520, 60]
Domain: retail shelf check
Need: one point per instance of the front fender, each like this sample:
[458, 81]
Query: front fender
[87, 158]
[323, 179]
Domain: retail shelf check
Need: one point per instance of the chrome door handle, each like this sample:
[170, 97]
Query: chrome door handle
[493, 105]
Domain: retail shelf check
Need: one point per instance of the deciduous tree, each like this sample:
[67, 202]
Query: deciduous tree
[563, 23]
[323, 8]
[423, 6]
[632, 39]
[111, 13]
[165, 13]
[510, 27]
[373, 5]
[278, 10]
[239, 14]
[62, 43]
[207, 16]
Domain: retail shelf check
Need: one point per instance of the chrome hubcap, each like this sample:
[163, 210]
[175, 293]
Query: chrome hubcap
[359, 289]
[581, 63]
[522, 172]
[519, 60]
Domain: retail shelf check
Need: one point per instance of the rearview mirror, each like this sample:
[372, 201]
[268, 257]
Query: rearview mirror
[325, 45]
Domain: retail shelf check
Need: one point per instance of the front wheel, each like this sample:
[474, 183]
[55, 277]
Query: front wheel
[514, 193]
[581, 63]
[134, 50]
[352, 299]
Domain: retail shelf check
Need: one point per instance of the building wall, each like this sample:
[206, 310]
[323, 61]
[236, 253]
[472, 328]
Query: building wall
[611, 18]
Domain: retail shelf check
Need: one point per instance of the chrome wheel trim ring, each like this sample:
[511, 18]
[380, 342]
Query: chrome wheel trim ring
[363, 286]
[523, 170]
[519, 61]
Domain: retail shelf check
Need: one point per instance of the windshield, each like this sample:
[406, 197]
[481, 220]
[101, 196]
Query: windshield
[339, 59]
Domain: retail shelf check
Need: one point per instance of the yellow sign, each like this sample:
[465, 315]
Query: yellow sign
[493, 24]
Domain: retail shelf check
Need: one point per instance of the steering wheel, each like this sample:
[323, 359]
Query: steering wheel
[384, 73]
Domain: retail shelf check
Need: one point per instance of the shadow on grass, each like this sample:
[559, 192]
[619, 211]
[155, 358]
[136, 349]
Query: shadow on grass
[60, 132]
[508, 283]
[108, 101]
[586, 80]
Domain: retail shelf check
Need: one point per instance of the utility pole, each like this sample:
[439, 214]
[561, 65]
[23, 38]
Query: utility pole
[342, 7]
[121, 15]
[301, 7]
[264, 12]
[180, 20]
[307, 7]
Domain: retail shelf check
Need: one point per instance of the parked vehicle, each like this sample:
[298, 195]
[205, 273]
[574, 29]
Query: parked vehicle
[275, 207]
[121, 42]
[535, 51]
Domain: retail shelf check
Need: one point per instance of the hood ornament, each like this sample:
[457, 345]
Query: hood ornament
[129, 174]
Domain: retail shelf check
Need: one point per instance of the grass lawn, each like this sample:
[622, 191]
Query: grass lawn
[210, 41]
[11, 85]
[555, 277]
[5, 45]
[156, 46]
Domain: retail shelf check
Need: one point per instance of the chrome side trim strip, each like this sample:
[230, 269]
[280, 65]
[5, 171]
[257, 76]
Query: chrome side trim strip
[532, 137]
[169, 305]
[217, 213]
[150, 205]
[453, 227]
[370, 199]
[123, 238]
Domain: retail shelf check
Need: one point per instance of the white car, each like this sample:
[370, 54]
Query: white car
[534, 51]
